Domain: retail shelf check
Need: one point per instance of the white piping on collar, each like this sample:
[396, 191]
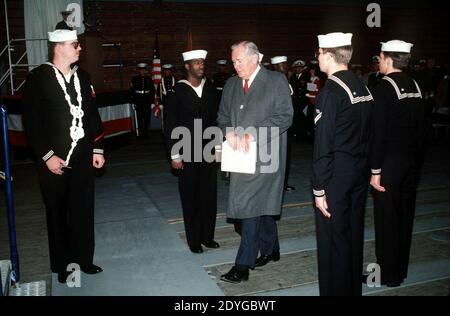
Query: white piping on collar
[403, 95]
[353, 99]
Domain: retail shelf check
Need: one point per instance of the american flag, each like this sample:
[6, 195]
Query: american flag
[156, 77]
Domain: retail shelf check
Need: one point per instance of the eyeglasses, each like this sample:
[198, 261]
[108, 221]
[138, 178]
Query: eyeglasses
[75, 45]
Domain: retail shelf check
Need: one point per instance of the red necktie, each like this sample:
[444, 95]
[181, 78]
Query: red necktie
[246, 86]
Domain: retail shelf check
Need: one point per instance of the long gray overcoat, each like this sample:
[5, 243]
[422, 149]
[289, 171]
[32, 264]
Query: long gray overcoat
[268, 103]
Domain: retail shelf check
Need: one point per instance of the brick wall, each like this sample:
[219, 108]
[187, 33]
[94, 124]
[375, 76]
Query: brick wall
[277, 29]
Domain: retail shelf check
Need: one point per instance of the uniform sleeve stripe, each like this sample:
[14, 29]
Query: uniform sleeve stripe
[376, 171]
[99, 151]
[318, 193]
[48, 155]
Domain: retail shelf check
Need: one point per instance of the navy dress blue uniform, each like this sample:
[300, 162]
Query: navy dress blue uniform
[298, 83]
[68, 198]
[167, 84]
[398, 141]
[341, 171]
[143, 93]
[197, 181]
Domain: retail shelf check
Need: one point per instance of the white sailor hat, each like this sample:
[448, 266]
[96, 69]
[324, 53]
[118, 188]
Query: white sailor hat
[222, 62]
[142, 65]
[167, 66]
[396, 46]
[266, 64]
[194, 54]
[314, 62]
[336, 39]
[298, 63]
[62, 35]
[375, 59]
[278, 59]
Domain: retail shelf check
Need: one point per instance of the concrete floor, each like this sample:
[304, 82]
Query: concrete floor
[140, 239]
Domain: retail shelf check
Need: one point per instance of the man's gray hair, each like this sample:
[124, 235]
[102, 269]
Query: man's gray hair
[250, 47]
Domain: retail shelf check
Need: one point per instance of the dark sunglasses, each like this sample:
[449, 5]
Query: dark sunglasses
[75, 45]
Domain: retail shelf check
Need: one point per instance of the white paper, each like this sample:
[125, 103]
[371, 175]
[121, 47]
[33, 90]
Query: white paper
[311, 86]
[238, 161]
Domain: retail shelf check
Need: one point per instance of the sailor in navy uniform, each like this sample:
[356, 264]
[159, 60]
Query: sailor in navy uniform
[192, 101]
[398, 142]
[64, 130]
[167, 82]
[279, 63]
[143, 92]
[298, 82]
[340, 168]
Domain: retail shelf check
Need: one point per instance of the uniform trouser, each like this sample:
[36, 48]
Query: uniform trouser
[69, 202]
[197, 183]
[143, 114]
[298, 122]
[394, 215]
[340, 238]
[259, 234]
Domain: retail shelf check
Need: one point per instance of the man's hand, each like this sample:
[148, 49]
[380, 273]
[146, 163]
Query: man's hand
[233, 140]
[322, 205]
[54, 164]
[375, 181]
[98, 160]
[177, 164]
[245, 142]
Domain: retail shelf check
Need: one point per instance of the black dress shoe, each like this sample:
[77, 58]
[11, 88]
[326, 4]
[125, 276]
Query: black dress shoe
[364, 278]
[393, 284]
[93, 269]
[211, 244]
[235, 275]
[62, 276]
[196, 250]
[264, 259]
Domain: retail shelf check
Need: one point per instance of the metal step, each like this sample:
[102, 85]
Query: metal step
[37, 288]
[5, 268]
